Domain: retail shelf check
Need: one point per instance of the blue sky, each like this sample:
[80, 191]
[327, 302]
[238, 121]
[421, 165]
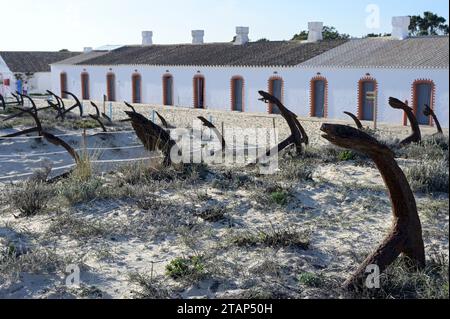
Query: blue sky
[74, 24]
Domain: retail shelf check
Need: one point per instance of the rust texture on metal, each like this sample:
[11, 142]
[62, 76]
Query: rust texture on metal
[298, 133]
[19, 98]
[97, 117]
[355, 119]
[59, 107]
[33, 112]
[59, 142]
[405, 236]
[17, 102]
[219, 135]
[416, 135]
[106, 117]
[429, 112]
[152, 135]
[76, 105]
[131, 107]
[164, 121]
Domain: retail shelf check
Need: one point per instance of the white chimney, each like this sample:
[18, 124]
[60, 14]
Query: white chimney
[315, 31]
[197, 36]
[88, 49]
[147, 37]
[242, 35]
[400, 27]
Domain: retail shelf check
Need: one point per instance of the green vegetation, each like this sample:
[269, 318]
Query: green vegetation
[186, 267]
[311, 280]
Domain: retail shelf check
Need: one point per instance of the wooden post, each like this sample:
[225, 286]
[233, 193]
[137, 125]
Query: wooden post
[275, 129]
[375, 106]
[110, 111]
[373, 96]
[104, 103]
[84, 141]
[223, 130]
[210, 131]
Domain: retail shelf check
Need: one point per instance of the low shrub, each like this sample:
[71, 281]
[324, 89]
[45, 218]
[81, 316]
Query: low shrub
[280, 197]
[151, 288]
[399, 281]
[76, 190]
[30, 197]
[184, 268]
[274, 237]
[311, 280]
[429, 176]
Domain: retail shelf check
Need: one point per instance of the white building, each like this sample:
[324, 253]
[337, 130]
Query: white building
[315, 78]
[29, 70]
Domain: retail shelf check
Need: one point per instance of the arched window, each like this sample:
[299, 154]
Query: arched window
[199, 92]
[136, 80]
[111, 87]
[423, 94]
[63, 84]
[276, 89]
[237, 94]
[367, 87]
[85, 94]
[319, 97]
[168, 89]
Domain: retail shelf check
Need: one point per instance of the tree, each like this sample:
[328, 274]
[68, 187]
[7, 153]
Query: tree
[263, 40]
[428, 24]
[329, 33]
[302, 36]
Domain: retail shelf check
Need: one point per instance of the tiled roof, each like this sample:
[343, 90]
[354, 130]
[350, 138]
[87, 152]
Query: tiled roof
[24, 62]
[417, 52]
[279, 53]
[81, 58]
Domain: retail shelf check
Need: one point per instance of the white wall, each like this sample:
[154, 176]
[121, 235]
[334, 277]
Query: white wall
[342, 86]
[39, 82]
[5, 73]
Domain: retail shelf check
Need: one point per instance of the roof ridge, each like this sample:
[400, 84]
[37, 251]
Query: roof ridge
[40, 52]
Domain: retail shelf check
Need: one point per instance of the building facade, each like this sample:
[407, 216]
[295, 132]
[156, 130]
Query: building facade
[315, 78]
[28, 71]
